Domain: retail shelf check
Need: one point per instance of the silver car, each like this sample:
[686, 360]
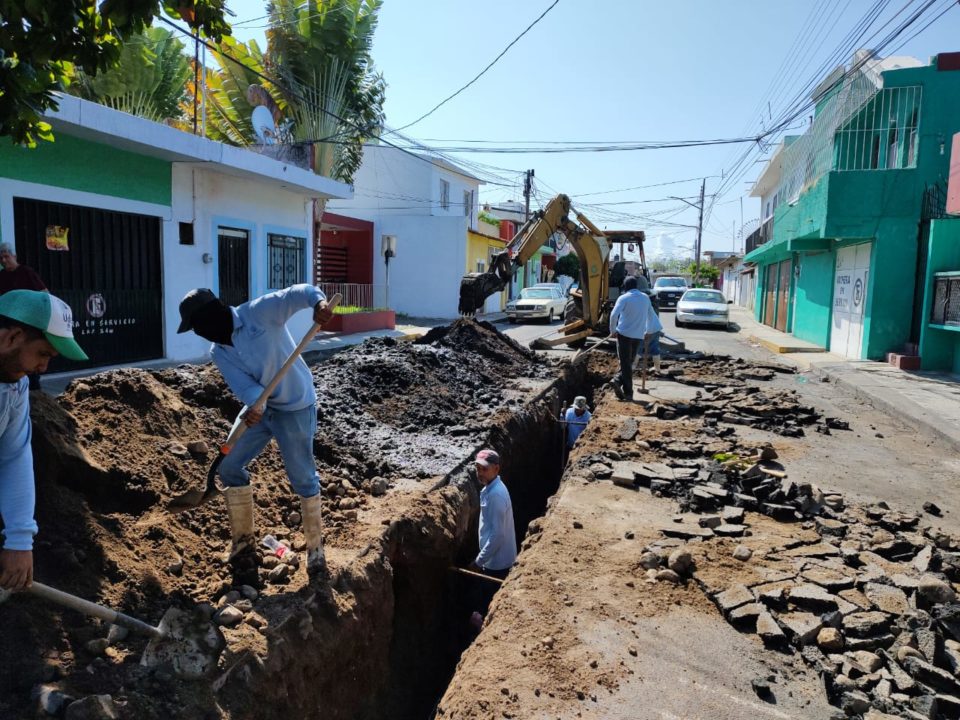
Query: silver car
[541, 303]
[703, 306]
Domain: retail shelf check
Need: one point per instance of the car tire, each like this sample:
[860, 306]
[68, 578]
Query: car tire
[678, 322]
[550, 317]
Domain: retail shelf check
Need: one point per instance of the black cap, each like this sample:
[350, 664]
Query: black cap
[630, 283]
[193, 301]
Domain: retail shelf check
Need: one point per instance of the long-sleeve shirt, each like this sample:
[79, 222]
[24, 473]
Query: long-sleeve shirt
[23, 278]
[633, 316]
[498, 541]
[576, 424]
[262, 343]
[17, 490]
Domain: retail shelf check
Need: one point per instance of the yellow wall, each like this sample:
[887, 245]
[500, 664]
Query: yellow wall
[478, 248]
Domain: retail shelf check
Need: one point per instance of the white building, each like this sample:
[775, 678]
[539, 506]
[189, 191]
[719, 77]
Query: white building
[428, 204]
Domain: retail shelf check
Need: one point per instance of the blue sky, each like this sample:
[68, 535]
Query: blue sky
[620, 71]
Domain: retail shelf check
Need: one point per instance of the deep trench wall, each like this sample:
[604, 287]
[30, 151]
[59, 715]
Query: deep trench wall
[384, 640]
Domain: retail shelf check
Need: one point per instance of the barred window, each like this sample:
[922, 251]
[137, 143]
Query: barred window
[286, 260]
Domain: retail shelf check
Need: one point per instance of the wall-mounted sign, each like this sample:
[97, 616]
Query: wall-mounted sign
[96, 305]
[57, 238]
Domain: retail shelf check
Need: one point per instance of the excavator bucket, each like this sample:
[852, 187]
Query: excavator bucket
[475, 288]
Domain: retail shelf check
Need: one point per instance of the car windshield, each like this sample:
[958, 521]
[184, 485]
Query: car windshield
[670, 282]
[536, 294]
[703, 296]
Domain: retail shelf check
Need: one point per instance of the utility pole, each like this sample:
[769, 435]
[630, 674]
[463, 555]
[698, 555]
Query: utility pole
[527, 189]
[696, 271]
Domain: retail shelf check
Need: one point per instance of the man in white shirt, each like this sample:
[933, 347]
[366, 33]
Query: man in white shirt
[631, 321]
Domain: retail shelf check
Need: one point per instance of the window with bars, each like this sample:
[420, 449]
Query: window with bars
[946, 300]
[444, 194]
[286, 260]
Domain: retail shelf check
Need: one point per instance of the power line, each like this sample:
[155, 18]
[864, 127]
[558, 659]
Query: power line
[481, 73]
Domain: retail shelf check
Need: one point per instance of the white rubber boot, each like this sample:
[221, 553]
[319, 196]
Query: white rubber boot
[656, 364]
[313, 534]
[240, 509]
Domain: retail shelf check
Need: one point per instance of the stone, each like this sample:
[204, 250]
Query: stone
[92, 707]
[875, 642]
[250, 593]
[667, 576]
[857, 598]
[650, 561]
[742, 553]
[197, 447]
[627, 430]
[931, 675]
[925, 706]
[887, 598]
[817, 550]
[746, 614]
[803, 627]
[269, 562]
[812, 597]
[761, 686]
[829, 579]
[733, 515]
[935, 590]
[379, 486]
[867, 660]
[710, 521]
[927, 643]
[51, 700]
[769, 631]
[906, 651]
[97, 646]
[680, 561]
[294, 519]
[931, 508]
[827, 526]
[866, 624]
[830, 640]
[923, 558]
[733, 597]
[117, 633]
[727, 530]
[601, 471]
[951, 655]
[874, 714]
[229, 616]
[686, 532]
[178, 450]
[279, 573]
[854, 702]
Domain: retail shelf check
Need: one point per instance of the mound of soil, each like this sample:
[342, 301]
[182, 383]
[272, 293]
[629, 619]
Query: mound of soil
[117, 446]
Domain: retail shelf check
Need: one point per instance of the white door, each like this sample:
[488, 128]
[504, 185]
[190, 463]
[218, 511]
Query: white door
[849, 300]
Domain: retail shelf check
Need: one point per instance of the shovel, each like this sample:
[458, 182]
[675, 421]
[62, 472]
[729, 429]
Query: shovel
[195, 498]
[596, 345]
[190, 645]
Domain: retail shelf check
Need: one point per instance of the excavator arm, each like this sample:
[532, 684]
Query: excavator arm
[587, 240]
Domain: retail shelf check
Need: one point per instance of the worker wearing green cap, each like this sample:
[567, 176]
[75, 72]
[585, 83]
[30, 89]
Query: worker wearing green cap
[34, 327]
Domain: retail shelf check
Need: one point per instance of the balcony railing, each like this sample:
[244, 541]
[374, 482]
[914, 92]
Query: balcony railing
[355, 294]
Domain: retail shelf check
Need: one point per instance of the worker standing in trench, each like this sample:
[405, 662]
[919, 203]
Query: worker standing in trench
[632, 320]
[497, 537]
[34, 327]
[250, 344]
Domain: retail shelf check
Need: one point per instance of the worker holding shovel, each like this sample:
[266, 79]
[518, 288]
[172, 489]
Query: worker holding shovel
[250, 345]
[632, 321]
[34, 327]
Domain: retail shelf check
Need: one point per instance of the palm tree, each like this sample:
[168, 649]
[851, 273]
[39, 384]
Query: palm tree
[149, 80]
[319, 50]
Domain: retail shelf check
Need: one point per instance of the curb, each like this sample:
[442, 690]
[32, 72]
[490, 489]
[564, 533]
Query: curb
[776, 347]
[891, 407]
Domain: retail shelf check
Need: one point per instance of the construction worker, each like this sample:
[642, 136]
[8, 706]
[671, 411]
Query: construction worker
[250, 344]
[576, 418]
[15, 276]
[34, 327]
[632, 320]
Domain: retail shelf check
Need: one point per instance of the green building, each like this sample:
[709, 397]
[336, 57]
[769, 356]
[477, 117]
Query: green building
[857, 210]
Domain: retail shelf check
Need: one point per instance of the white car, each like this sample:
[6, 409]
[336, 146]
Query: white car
[535, 302]
[701, 305]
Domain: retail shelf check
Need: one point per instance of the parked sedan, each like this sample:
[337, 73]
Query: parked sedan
[544, 303]
[701, 306]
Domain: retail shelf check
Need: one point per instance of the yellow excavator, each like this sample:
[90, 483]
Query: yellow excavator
[588, 307]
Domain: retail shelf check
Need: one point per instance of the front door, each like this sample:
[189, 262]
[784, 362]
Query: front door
[849, 300]
[770, 295]
[233, 246]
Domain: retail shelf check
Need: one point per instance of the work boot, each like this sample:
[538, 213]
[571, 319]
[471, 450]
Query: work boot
[242, 558]
[656, 364]
[617, 390]
[312, 514]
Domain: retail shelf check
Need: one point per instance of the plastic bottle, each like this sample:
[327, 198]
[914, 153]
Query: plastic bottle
[277, 547]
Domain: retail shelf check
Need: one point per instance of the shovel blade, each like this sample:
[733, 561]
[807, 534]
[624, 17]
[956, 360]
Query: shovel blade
[191, 499]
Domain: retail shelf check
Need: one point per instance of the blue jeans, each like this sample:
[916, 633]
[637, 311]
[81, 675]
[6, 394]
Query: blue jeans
[294, 431]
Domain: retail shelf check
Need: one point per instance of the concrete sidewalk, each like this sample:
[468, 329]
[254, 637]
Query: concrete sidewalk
[924, 399]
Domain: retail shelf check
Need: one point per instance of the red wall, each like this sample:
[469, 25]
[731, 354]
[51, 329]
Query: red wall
[359, 245]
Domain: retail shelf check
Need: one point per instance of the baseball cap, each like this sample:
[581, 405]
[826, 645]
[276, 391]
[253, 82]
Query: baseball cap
[193, 301]
[580, 401]
[487, 458]
[45, 312]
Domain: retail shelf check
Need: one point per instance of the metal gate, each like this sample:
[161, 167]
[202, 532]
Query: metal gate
[106, 265]
[233, 248]
[783, 296]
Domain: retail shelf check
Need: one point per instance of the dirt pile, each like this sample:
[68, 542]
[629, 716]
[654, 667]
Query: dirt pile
[117, 446]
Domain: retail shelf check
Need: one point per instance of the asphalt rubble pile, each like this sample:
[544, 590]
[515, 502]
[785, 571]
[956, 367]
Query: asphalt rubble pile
[117, 446]
[866, 595]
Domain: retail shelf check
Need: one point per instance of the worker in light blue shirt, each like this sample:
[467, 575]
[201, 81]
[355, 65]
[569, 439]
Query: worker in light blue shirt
[498, 540]
[576, 419]
[250, 344]
[34, 327]
[632, 320]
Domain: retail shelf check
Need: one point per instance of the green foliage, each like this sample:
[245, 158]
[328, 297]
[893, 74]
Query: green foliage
[669, 265]
[353, 309]
[708, 274]
[569, 265]
[149, 80]
[488, 218]
[42, 41]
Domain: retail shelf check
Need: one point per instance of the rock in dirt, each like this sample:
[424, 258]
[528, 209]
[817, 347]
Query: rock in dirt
[229, 616]
[887, 598]
[668, 576]
[742, 553]
[733, 598]
[769, 631]
[830, 640]
[92, 707]
[854, 702]
[935, 590]
[802, 627]
[97, 646]
[761, 686]
[650, 561]
[680, 561]
[50, 699]
[117, 633]
[931, 508]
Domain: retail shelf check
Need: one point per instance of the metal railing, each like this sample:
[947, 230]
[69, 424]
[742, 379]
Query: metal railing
[354, 294]
[883, 135]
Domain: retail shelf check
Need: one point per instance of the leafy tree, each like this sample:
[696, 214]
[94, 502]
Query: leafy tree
[42, 40]
[149, 80]
[708, 273]
[568, 265]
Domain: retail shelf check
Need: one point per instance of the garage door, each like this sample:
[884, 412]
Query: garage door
[106, 266]
[849, 300]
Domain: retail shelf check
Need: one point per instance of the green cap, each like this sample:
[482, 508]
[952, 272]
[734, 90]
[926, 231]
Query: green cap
[47, 313]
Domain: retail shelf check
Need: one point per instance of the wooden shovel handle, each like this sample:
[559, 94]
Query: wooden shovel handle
[92, 609]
